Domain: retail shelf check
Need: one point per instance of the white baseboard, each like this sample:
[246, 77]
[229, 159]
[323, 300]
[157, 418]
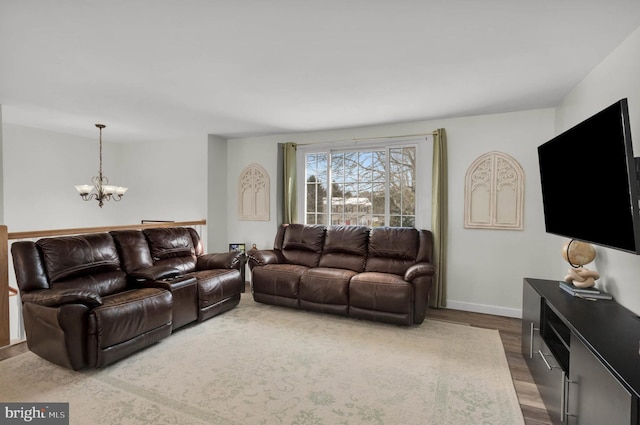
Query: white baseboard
[486, 309]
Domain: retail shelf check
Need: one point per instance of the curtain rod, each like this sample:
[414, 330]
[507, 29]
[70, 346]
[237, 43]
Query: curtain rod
[368, 138]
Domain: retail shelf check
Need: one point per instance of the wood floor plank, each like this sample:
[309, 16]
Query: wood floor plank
[13, 350]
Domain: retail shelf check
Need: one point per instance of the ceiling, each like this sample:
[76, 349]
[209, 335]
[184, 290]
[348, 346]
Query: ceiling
[168, 69]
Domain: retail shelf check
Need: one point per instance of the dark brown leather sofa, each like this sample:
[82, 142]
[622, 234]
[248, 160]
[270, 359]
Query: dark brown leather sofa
[90, 300]
[381, 274]
[172, 257]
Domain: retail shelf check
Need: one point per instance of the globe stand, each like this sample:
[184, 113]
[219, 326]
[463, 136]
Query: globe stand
[577, 254]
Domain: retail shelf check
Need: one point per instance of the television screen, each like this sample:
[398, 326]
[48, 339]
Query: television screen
[589, 181]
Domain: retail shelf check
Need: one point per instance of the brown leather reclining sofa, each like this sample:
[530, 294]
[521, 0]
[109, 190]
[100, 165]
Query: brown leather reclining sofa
[90, 300]
[382, 273]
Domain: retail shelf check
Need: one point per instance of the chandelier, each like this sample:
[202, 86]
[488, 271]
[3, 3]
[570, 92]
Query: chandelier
[101, 191]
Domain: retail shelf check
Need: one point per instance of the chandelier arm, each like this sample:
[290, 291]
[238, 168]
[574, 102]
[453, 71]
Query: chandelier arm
[89, 196]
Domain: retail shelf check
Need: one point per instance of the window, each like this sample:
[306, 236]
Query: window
[373, 185]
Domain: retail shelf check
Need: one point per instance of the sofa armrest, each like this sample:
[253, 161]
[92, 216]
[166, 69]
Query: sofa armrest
[226, 260]
[56, 297]
[155, 273]
[263, 257]
[171, 284]
[419, 269]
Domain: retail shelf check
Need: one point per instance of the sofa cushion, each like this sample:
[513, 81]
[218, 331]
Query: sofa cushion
[345, 247]
[169, 242]
[392, 249]
[197, 242]
[71, 256]
[217, 285]
[182, 264]
[302, 244]
[381, 292]
[57, 297]
[133, 248]
[27, 264]
[305, 238]
[99, 283]
[126, 315]
[281, 280]
[325, 286]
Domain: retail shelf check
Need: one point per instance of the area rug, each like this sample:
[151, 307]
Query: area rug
[260, 364]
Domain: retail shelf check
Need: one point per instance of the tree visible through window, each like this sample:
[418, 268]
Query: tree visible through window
[369, 187]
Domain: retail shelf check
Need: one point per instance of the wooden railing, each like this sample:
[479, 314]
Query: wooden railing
[6, 236]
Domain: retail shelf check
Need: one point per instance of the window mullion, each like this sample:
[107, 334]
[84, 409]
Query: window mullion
[329, 190]
[387, 172]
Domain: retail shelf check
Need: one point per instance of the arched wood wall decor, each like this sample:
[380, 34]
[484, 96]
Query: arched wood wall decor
[494, 193]
[253, 193]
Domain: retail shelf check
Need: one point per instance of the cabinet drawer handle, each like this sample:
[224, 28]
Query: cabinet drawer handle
[564, 397]
[564, 401]
[544, 359]
[533, 328]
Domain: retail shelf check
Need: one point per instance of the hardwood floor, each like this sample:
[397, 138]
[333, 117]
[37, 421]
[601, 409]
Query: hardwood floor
[532, 407]
[13, 350]
[510, 329]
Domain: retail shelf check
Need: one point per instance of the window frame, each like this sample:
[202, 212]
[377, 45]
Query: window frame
[423, 145]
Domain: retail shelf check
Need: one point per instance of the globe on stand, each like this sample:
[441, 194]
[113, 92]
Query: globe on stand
[577, 254]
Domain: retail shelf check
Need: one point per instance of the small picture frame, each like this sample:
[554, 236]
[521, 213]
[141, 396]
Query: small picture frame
[237, 247]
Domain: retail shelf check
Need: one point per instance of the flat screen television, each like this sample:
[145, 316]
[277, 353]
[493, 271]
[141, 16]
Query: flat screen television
[590, 181]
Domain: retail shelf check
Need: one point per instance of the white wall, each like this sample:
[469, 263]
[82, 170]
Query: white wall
[167, 180]
[1, 172]
[217, 194]
[618, 76]
[485, 267]
[40, 170]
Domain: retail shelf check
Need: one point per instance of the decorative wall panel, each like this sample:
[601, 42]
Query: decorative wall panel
[494, 193]
[253, 194]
